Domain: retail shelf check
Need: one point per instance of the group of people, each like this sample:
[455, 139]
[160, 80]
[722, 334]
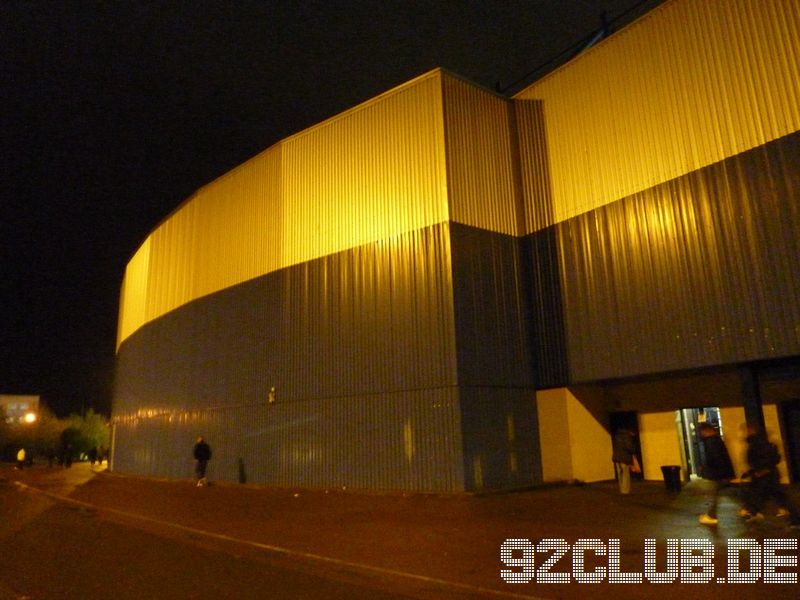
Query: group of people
[762, 457]
[26, 458]
[764, 480]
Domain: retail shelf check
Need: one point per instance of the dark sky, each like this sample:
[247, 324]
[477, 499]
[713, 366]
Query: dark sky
[114, 112]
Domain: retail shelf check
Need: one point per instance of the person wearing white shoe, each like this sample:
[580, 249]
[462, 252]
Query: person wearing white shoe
[763, 458]
[202, 454]
[708, 520]
[717, 467]
[623, 447]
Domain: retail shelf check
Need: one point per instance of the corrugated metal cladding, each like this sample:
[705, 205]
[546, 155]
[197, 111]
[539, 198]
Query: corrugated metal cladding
[492, 318]
[410, 441]
[689, 84]
[370, 320]
[501, 438]
[359, 347]
[373, 172]
[228, 232]
[543, 269]
[482, 178]
[537, 195]
[699, 271]
[133, 296]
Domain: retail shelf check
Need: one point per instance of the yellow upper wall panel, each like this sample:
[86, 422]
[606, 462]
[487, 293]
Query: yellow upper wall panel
[687, 85]
[483, 188]
[373, 172]
[133, 298]
[237, 226]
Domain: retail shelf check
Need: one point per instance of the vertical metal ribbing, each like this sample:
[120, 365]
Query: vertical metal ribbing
[374, 172]
[480, 162]
[686, 86]
[696, 272]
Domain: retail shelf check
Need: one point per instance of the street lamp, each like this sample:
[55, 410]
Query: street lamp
[30, 417]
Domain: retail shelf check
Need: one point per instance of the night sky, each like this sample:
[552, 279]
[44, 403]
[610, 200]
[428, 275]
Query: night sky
[114, 112]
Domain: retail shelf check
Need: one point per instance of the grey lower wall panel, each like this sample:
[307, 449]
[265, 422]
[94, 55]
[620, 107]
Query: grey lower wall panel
[491, 308]
[542, 270]
[403, 441]
[698, 272]
[361, 347]
[370, 320]
[501, 438]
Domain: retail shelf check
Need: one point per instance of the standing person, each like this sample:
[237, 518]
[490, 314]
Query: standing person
[68, 456]
[21, 459]
[624, 457]
[765, 485]
[202, 454]
[717, 467]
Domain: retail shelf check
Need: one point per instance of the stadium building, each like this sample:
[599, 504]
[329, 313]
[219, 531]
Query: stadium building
[445, 289]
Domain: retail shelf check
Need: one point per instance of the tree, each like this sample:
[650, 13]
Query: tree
[49, 435]
[86, 432]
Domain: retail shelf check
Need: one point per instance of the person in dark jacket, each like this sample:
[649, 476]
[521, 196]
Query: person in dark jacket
[763, 458]
[202, 454]
[717, 467]
[623, 448]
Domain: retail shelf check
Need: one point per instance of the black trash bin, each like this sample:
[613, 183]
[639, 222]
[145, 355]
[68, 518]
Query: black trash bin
[672, 477]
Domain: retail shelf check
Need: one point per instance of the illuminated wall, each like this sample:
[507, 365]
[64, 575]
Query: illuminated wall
[409, 273]
[687, 85]
[373, 172]
[575, 443]
[660, 175]
[659, 441]
[325, 268]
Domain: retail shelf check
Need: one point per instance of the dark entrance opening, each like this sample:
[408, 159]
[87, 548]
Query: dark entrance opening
[692, 449]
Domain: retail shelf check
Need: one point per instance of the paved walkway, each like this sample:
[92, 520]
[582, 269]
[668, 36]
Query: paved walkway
[450, 541]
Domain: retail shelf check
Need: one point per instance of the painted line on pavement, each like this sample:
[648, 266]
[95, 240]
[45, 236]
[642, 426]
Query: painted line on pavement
[286, 551]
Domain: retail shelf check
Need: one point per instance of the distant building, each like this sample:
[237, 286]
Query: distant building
[15, 408]
[446, 289]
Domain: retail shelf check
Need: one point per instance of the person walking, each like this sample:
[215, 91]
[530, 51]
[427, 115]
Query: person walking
[623, 447]
[717, 467]
[202, 454]
[763, 458]
[21, 459]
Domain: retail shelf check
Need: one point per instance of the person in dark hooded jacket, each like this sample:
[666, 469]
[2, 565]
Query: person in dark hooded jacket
[763, 458]
[202, 454]
[717, 467]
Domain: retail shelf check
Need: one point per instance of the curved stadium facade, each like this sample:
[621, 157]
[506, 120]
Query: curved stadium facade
[453, 290]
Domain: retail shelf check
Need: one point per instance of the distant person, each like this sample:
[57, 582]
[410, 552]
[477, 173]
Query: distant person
[21, 459]
[92, 456]
[716, 467]
[202, 454]
[68, 456]
[765, 485]
[623, 448]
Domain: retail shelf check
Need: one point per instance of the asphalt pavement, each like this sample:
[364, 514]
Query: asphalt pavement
[86, 533]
